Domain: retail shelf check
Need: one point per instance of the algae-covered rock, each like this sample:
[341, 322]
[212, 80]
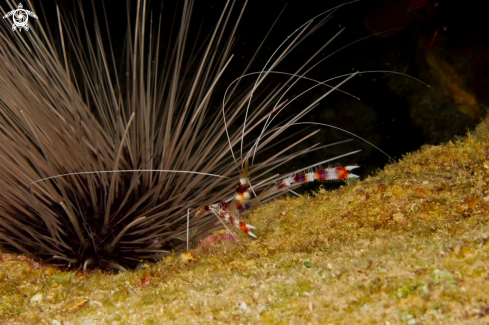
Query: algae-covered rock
[409, 245]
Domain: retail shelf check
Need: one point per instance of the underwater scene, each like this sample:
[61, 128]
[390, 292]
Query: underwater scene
[244, 162]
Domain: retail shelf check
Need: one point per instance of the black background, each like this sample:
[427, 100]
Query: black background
[383, 116]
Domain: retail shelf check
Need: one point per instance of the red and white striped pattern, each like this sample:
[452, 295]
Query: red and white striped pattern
[228, 212]
[222, 211]
[325, 174]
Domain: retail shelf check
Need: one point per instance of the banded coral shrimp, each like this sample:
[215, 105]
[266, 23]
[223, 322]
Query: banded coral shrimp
[230, 210]
[94, 181]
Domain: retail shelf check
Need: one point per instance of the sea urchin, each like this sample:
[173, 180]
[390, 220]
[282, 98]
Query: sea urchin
[125, 135]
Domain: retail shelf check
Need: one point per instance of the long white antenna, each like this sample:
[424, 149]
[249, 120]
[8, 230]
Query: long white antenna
[187, 226]
[128, 171]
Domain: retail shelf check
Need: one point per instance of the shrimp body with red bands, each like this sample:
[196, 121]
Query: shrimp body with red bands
[241, 204]
[223, 212]
[325, 174]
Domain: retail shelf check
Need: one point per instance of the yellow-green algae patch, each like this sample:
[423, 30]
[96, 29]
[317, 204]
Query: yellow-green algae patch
[408, 246]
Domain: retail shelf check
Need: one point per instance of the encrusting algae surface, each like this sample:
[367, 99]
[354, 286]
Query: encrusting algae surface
[409, 245]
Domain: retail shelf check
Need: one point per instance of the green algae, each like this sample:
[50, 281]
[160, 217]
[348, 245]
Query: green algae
[409, 245]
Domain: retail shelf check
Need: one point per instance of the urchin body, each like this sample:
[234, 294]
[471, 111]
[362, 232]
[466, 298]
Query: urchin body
[123, 150]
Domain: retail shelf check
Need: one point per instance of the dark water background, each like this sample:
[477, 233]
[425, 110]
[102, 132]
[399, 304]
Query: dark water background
[396, 113]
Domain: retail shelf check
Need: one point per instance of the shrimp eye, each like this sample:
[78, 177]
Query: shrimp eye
[237, 186]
